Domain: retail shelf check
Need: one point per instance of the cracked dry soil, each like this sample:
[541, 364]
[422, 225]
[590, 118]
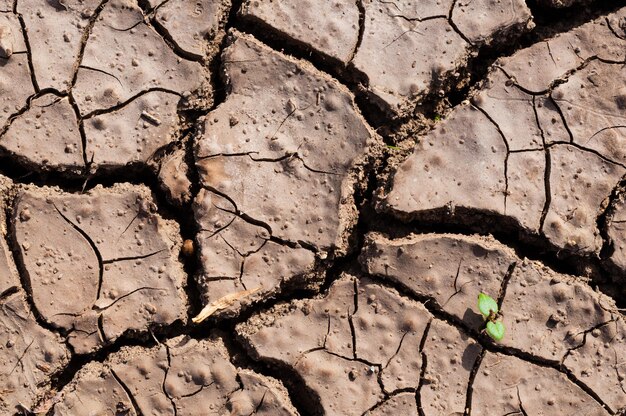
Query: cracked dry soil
[330, 185]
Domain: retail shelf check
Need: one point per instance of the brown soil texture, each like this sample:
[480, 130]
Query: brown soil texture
[261, 207]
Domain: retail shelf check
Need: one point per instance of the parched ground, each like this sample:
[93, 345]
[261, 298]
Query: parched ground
[261, 207]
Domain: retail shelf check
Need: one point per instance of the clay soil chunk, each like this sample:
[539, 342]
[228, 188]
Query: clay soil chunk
[450, 357]
[508, 385]
[182, 377]
[580, 182]
[29, 355]
[55, 30]
[46, 136]
[593, 102]
[549, 314]
[541, 67]
[351, 353]
[540, 145]
[237, 255]
[558, 319]
[404, 51]
[401, 404]
[15, 76]
[466, 135]
[331, 28]
[286, 124]
[174, 177]
[451, 269]
[105, 74]
[134, 134]
[606, 374]
[195, 27]
[100, 264]
[9, 278]
[125, 57]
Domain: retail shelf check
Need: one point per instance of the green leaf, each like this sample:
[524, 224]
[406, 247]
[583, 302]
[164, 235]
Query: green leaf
[487, 305]
[495, 330]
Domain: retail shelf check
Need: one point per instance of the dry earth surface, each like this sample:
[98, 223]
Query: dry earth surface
[258, 207]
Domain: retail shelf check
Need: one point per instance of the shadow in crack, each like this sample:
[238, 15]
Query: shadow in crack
[469, 356]
[473, 319]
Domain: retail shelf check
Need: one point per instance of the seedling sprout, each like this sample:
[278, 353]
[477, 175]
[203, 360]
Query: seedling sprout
[488, 307]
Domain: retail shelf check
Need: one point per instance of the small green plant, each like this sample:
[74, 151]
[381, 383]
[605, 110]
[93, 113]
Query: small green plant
[488, 307]
[437, 118]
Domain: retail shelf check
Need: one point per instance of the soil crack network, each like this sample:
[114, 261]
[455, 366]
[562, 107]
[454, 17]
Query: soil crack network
[254, 207]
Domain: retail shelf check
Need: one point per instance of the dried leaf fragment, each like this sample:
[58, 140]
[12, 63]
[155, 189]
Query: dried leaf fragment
[223, 303]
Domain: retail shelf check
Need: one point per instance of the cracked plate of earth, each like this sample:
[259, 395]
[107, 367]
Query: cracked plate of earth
[253, 207]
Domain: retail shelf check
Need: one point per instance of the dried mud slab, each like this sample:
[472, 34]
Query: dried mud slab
[125, 57]
[181, 377]
[9, 278]
[286, 124]
[545, 139]
[329, 28]
[237, 255]
[508, 385]
[101, 264]
[449, 357]
[606, 374]
[15, 76]
[55, 32]
[29, 355]
[557, 319]
[133, 134]
[106, 74]
[11, 37]
[196, 28]
[46, 136]
[450, 269]
[550, 313]
[129, 83]
[174, 177]
[404, 52]
[400, 404]
[361, 345]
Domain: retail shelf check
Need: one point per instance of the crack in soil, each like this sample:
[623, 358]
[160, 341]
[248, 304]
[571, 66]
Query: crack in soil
[132, 399]
[483, 340]
[361, 7]
[508, 151]
[31, 67]
[604, 220]
[93, 246]
[454, 26]
[470, 384]
[418, 391]
[83, 40]
[165, 373]
[247, 218]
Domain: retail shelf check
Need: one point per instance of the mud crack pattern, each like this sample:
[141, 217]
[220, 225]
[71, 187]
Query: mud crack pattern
[290, 208]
